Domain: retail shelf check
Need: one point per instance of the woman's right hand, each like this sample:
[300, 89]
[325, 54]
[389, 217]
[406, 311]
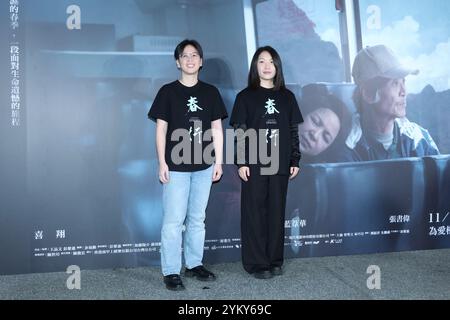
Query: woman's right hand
[163, 172]
[244, 173]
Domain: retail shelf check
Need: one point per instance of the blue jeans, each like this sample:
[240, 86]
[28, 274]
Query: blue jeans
[185, 198]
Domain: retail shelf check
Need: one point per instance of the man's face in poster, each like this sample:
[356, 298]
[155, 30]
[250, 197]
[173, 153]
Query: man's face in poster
[392, 98]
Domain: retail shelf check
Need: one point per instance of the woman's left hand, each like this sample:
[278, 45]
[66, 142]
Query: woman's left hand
[217, 172]
[293, 171]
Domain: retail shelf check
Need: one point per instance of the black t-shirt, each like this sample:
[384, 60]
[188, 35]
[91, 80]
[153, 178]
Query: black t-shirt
[191, 109]
[274, 111]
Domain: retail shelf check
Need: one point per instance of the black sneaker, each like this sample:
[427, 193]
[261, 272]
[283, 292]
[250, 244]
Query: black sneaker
[276, 271]
[201, 273]
[173, 282]
[263, 274]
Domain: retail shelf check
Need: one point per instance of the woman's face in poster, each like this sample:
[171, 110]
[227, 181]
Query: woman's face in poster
[318, 131]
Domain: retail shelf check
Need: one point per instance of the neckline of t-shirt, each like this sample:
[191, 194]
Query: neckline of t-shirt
[186, 87]
[268, 89]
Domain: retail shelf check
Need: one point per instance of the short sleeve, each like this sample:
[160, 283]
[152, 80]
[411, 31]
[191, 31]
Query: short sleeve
[160, 106]
[219, 111]
[239, 114]
[296, 115]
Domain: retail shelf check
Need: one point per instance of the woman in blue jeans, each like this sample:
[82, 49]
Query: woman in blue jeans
[193, 111]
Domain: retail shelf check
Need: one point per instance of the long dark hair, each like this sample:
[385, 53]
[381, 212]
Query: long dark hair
[253, 77]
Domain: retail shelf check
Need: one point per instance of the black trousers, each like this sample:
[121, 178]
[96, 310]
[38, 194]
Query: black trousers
[263, 204]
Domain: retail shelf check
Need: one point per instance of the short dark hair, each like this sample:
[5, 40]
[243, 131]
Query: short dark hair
[186, 42]
[253, 77]
[371, 86]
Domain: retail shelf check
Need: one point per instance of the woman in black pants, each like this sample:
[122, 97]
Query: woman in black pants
[269, 110]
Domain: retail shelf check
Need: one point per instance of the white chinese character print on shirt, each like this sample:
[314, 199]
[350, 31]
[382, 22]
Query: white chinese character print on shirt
[197, 132]
[192, 104]
[273, 135]
[270, 106]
